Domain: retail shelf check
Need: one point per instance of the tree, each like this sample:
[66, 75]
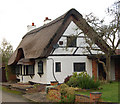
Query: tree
[105, 36]
[6, 51]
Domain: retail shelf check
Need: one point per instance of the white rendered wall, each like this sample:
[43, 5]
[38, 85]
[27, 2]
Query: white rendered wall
[36, 78]
[66, 67]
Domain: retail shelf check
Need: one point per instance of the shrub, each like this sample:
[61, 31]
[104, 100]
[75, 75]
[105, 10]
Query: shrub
[63, 88]
[67, 93]
[83, 80]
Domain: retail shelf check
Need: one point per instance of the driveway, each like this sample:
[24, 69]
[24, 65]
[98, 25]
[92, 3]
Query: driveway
[10, 97]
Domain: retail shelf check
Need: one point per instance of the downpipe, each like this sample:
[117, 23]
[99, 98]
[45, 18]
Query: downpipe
[53, 69]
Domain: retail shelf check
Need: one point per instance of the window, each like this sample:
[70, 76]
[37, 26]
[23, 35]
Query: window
[18, 69]
[79, 67]
[71, 41]
[40, 67]
[24, 70]
[28, 69]
[58, 66]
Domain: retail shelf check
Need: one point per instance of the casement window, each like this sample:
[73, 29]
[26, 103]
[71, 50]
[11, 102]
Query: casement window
[79, 67]
[28, 69]
[58, 67]
[40, 67]
[71, 41]
[18, 69]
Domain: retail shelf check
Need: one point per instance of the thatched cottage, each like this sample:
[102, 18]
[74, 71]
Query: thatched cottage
[42, 56]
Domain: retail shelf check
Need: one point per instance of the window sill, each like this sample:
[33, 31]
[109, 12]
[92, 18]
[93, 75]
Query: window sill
[79, 71]
[28, 75]
[40, 73]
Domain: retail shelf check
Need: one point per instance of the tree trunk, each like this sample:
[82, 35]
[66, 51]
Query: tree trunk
[106, 67]
[108, 62]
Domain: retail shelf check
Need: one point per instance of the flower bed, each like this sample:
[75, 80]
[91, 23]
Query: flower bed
[63, 93]
[54, 95]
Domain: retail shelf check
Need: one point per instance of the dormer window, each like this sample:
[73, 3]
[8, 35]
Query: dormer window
[71, 41]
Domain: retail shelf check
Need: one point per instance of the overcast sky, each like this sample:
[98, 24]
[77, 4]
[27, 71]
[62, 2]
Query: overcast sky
[15, 15]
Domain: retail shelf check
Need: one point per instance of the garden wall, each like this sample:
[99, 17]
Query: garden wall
[55, 95]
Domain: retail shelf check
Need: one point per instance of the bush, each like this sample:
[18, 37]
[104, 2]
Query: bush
[67, 93]
[83, 80]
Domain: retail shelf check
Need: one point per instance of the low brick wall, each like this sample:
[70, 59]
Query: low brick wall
[81, 98]
[55, 95]
[95, 96]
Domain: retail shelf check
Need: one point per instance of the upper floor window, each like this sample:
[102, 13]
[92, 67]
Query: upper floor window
[40, 67]
[58, 67]
[79, 67]
[71, 41]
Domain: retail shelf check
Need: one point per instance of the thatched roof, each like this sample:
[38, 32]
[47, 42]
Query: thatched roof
[39, 42]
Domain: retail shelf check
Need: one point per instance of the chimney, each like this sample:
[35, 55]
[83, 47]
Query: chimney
[47, 20]
[31, 27]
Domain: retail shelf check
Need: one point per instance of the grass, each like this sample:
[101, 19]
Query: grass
[109, 92]
[9, 90]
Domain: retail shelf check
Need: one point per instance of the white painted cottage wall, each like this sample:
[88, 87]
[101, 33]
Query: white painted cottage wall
[66, 67]
[36, 78]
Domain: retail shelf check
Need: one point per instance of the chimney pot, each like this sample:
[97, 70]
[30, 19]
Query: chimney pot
[46, 18]
[33, 24]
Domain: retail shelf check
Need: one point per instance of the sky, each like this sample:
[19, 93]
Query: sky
[15, 15]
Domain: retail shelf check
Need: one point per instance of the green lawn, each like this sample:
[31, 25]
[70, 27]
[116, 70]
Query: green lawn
[8, 90]
[109, 92]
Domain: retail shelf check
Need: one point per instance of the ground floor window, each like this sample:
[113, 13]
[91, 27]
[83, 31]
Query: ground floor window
[18, 69]
[40, 67]
[28, 69]
[79, 67]
[58, 67]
